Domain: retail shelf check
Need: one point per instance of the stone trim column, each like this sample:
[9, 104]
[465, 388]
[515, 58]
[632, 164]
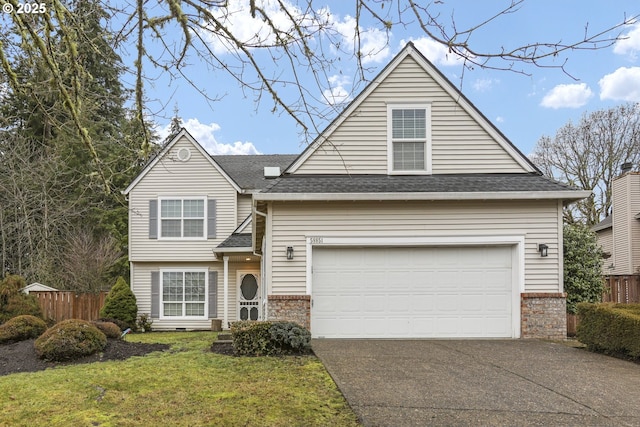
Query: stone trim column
[544, 315]
[291, 308]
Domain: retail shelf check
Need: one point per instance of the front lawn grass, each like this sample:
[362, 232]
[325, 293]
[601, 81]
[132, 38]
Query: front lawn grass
[186, 386]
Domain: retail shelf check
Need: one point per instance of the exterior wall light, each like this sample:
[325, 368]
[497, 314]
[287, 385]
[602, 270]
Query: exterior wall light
[543, 249]
[289, 252]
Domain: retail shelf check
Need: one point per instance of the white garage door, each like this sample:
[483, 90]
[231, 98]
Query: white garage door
[412, 292]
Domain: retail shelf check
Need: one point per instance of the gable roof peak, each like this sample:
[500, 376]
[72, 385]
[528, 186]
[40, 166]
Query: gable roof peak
[167, 148]
[429, 68]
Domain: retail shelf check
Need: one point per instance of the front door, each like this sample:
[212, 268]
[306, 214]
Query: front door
[248, 296]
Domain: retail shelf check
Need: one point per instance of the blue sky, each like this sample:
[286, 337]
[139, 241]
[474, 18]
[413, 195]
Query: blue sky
[523, 107]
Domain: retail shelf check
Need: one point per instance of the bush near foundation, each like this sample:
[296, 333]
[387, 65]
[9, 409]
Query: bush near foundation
[21, 328]
[110, 329]
[268, 338]
[121, 305]
[610, 328]
[69, 340]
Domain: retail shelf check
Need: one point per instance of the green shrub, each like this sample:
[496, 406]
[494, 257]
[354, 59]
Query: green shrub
[110, 329]
[144, 322]
[610, 328]
[121, 304]
[582, 266]
[292, 337]
[70, 339]
[269, 338]
[22, 328]
[13, 302]
[119, 323]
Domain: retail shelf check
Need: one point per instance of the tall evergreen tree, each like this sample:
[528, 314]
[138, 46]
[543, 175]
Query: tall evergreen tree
[52, 192]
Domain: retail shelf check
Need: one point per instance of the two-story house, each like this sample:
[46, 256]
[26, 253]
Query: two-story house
[619, 236]
[410, 215]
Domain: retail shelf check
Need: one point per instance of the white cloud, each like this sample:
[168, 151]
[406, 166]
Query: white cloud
[337, 94]
[236, 17]
[621, 85]
[203, 133]
[499, 119]
[567, 96]
[483, 85]
[629, 43]
[374, 43]
[435, 52]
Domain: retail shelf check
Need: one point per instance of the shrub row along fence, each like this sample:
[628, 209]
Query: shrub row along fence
[63, 305]
[618, 289]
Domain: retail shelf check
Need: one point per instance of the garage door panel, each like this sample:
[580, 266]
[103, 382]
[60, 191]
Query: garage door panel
[421, 303]
[412, 292]
[472, 303]
[375, 304]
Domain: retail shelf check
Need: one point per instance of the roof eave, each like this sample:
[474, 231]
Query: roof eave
[231, 249]
[567, 195]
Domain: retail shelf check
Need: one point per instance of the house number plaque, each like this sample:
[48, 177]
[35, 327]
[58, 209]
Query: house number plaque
[316, 240]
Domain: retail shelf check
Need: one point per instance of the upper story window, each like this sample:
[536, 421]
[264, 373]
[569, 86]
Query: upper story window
[409, 139]
[182, 218]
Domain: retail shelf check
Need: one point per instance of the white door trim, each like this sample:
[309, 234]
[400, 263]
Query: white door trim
[514, 240]
[239, 275]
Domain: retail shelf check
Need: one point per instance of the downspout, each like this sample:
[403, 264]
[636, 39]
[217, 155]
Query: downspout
[226, 292]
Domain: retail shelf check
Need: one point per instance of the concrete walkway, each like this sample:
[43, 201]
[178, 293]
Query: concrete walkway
[481, 383]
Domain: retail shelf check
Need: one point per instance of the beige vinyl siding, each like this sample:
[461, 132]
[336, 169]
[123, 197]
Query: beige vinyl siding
[141, 286]
[172, 178]
[537, 221]
[244, 207]
[634, 223]
[626, 228]
[605, 239]
[460, 144]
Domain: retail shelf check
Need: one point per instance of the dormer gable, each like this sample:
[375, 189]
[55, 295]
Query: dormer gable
[182, 149]
[411, 120]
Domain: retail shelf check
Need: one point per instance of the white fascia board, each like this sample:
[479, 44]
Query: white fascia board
[233, 250]
[506, 195]
[243, 226]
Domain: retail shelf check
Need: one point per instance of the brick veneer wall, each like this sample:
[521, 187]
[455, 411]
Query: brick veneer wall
[292, 308]
[544, 315]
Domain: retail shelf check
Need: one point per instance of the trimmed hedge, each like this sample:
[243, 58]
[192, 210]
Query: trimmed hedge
[110, 329]
[610, 328]
[70, 339]
[22, 328]
[267, 338]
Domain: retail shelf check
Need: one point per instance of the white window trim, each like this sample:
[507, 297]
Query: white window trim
[206, 292]
[183, 198]
[427, 149]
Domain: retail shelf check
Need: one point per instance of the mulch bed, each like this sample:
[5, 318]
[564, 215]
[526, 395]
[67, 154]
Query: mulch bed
[21, 356]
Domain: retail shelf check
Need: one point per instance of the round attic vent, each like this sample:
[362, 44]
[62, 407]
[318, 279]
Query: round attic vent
[184, 154]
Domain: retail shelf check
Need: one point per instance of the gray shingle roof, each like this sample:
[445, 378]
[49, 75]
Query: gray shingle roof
[237, 240]
[604, 224]
[516, 182]
[248, 171]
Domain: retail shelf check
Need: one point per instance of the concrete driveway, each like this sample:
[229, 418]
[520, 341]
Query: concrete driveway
[481, 383]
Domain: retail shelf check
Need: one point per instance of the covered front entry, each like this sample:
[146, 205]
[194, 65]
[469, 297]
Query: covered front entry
[413, 292]
[248, 295]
